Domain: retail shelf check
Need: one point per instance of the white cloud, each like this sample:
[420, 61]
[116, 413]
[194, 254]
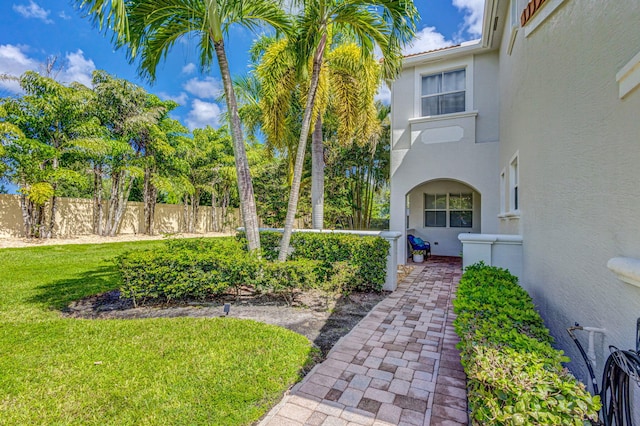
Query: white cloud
[189, 68]
[208, 88]
[427, 39]
[64, 15]
[181, 99]
[14, 61]
[474, 11]
[78, 68]
[33, 11]
[203, 114]
[384, 94]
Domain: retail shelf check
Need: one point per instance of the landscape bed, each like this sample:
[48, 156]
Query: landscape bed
[58, 370]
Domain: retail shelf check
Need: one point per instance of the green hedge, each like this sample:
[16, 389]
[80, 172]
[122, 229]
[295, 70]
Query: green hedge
[364, 256]
[515, 377]
[200, 268]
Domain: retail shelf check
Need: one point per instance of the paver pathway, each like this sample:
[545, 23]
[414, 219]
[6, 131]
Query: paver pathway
[398, 366]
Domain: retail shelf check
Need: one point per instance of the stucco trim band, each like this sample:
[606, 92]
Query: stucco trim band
[628, 77]
[627, 269]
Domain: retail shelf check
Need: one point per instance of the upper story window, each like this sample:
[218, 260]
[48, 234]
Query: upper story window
[444, 92]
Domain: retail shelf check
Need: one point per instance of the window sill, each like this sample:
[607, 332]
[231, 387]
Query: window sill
[510, 215]
[628, 77]
[626, 269]
[545, 11]
[452, 116]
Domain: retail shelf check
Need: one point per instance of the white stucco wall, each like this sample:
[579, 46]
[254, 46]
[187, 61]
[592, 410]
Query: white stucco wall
[461, 147]
[579, 159]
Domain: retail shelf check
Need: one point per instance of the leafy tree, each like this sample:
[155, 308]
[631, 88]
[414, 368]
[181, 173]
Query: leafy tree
[129, 120]
[387, 24]
[38, 130]
[212, 172]
[348, 83]
[149, 28]
[359, 174]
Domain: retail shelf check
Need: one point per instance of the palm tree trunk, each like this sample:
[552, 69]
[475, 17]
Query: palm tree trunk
[302, 145]
[245, 186]
[317, 176]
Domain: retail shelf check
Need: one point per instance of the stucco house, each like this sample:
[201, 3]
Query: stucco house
[522, 149]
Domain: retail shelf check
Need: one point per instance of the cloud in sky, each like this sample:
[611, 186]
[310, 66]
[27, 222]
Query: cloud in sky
[209, 88]
[427, 39]
[384, 94]
[32, 10]
[189, 68]
[202, 114]
[64, 15]
[14, 61]
[474, 11]
[78, 68]
[181, 99]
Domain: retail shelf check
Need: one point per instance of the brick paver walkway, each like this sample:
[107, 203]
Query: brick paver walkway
[398, 366]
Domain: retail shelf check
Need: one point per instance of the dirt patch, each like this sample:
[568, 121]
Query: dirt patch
[322, 318]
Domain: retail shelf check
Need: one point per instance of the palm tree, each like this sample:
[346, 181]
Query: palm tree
[348, 84]
[149, 29]
[386, 24]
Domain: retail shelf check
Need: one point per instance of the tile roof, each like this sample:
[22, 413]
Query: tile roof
[431, 51]
[530, 10]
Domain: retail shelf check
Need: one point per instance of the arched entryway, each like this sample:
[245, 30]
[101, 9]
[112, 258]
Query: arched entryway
[439, 210]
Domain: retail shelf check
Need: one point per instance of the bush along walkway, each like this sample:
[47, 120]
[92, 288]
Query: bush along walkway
[398, 366]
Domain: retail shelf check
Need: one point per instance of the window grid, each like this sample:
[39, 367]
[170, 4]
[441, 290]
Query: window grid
[443, 93]
[451, 210]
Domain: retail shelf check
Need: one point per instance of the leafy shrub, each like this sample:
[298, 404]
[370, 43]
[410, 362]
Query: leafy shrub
[515, 377]
[365, 255]
[198, 268]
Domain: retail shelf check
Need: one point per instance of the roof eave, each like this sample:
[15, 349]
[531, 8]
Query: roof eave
[489, 23]
[438, 55]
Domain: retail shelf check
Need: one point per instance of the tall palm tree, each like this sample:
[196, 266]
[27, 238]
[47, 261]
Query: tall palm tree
[386, 24]
[149, 29]
[348, 84]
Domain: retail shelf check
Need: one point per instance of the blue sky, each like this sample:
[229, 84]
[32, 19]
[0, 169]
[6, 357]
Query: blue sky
[32, 30]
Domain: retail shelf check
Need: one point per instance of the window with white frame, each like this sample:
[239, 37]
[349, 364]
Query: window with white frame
[453, 210]
[443, 93]
[503, 183]
[514, 185]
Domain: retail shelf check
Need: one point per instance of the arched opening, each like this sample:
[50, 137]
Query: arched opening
[439, 210]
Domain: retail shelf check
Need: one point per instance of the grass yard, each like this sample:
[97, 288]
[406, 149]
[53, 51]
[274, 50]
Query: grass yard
[55, 370]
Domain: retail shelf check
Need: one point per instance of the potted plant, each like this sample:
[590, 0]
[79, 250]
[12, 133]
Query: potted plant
[418, 255]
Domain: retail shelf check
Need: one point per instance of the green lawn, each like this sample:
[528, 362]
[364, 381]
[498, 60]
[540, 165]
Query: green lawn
[164, 371]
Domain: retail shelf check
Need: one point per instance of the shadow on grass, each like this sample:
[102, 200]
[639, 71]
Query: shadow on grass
[58, 294]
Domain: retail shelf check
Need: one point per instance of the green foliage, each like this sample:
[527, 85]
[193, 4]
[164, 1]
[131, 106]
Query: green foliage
[515, 376]
[365, 255]
[198, 268]
[58, 370]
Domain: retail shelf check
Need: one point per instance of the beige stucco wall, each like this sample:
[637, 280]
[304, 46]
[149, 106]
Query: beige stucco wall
[462, 148]
[579, 158]
[74, 217]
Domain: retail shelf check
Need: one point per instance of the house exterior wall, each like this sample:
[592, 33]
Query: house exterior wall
[458, 147]
[579, 167]
[444, 241]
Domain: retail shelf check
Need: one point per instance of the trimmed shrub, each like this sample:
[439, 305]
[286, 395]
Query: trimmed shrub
[515, 376]
[366, 256]
[199, 268]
